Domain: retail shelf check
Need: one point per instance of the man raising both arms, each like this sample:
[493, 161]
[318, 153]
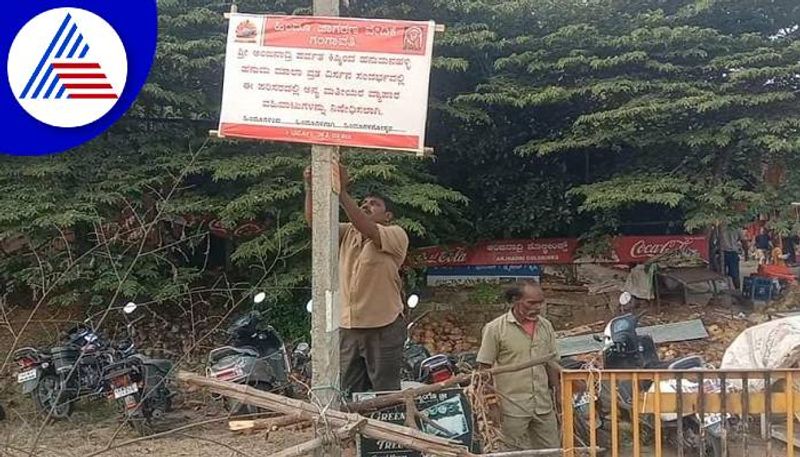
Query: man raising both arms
[371, 251]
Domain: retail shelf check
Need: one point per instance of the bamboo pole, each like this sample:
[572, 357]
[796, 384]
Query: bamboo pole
[343, 433]
[300, 449]
[267, 424]
[399, 397]
[404, 436]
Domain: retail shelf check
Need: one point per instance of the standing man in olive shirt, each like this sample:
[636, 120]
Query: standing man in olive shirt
[519, 336]
[371, 251]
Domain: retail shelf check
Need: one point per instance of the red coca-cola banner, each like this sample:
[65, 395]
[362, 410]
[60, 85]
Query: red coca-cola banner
[625, 249]
[505, 252]
[637, 249]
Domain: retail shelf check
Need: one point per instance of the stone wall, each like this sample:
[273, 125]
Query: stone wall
[474, 306]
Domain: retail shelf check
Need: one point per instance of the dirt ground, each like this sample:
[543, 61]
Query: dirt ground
[94, 426]
[90, 432]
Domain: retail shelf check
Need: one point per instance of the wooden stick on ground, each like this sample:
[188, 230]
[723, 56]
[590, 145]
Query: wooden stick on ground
[398, 398]
[154, 436]
[404, 436]
[346, 432]
[411, 412]
[267, 424]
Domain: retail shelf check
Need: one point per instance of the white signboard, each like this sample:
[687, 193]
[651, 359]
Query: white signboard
[334, 81]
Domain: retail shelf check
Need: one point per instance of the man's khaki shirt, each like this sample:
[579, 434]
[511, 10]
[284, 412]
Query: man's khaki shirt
[505, 342]
[369, 277]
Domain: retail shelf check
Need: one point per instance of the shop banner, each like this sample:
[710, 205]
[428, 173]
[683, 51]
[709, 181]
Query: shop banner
[508, 252]
[638, 249]
[625, 249]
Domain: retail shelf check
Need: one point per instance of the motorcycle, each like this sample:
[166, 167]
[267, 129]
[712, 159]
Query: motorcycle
[138, 384]
[255, 355]
[56, 378]
[419, 365]
[623, 348]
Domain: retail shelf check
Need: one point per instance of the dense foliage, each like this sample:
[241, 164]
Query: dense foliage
[548, 117]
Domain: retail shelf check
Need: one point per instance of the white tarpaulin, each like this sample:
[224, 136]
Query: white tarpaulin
[773, 344]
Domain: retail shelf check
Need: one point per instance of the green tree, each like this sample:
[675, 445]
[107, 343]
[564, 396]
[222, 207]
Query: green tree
[113, 220]
[673, 104]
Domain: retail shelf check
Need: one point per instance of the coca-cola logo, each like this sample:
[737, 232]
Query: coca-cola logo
[440, 257]
[642, 248]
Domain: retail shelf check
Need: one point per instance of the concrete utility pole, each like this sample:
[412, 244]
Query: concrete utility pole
[325, 263]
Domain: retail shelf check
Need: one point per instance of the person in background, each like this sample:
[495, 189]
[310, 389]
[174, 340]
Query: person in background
[763, 246]
[778, 257]
[730, 243]
[789, 248]
[371, 252]
[520, 335]
[747, 243]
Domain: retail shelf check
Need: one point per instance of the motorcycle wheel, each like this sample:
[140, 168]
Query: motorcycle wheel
[714, 446]
[691, 440]
[167, 402]
[48, 390]
[236, 408]
[602, 436]
[141, 426]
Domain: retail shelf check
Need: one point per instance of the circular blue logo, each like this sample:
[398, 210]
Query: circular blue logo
[73, 69]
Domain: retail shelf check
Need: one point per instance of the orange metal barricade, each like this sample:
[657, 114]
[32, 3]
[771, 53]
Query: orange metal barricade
[778, 401]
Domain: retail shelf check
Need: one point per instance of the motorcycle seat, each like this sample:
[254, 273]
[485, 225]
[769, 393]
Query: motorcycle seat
[688, 362]
[29, 352]
[226, 351]
[162, 365]
[657, 365]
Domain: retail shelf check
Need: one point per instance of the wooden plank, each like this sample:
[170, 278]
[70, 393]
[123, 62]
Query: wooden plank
[400, 397]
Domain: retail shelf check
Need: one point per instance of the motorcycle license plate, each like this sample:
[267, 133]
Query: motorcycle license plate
[25, 376]
[125, 391]
[227, 375]
[581, 400]
[130, 402]
[712, 419]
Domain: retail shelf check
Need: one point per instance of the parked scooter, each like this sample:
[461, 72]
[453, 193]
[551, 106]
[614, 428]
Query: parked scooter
[623, 348]
[140, 385]
[581, 410]
[57, 377]
[418, 364]
[255, 355]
